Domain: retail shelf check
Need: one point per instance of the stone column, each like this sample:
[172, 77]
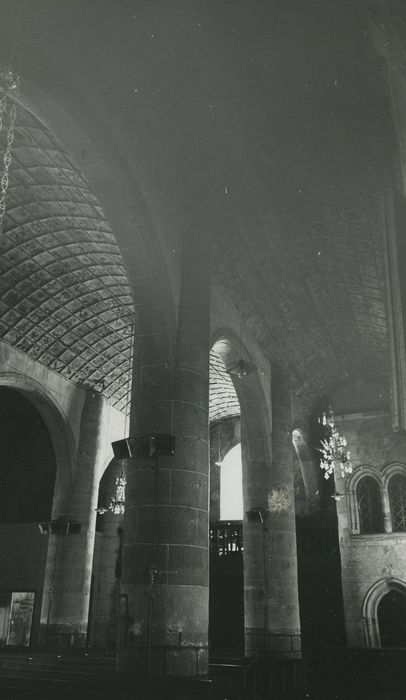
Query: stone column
[164, 625]
[68, 575]
[256, 474]
[282, 603]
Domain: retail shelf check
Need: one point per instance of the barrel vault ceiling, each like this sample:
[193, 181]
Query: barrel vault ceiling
[282, 110]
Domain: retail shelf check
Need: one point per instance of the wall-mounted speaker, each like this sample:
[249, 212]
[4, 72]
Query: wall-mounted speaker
[255, 515]
[60, 527]
[124, 449]
[153, 444]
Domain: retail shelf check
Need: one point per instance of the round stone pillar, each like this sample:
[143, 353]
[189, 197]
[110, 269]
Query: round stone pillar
[282, 603]
[164, 585]
[68, 574]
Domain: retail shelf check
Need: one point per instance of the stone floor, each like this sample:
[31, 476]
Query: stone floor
[334, 674]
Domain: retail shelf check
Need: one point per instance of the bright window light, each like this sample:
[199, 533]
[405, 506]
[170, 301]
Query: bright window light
[231, 507]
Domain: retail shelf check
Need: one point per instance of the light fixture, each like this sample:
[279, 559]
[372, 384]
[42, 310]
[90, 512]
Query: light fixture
[117, 501]
[9, 83]
[150, 445]
[334, 452]
[337, 496]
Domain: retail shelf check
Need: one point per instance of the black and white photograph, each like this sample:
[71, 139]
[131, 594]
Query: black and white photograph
[202, 349]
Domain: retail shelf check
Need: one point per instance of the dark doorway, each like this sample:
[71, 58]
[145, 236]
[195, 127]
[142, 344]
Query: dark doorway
[226, 602]
[392, 619]
[27, 461]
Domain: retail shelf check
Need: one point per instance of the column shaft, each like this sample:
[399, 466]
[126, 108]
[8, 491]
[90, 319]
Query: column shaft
[283, 622]
[165, 558]
[65, 609]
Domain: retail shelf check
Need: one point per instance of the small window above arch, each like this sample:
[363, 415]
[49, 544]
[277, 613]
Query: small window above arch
[369, 506]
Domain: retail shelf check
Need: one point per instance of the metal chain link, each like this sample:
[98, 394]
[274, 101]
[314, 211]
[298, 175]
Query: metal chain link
[3, 105]
[4, 182]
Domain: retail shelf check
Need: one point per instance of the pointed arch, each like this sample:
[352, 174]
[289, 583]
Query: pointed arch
[370, 607]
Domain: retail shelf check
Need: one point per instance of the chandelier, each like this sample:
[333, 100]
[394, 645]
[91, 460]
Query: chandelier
[117, 502]
[334, 452]
[9, 83]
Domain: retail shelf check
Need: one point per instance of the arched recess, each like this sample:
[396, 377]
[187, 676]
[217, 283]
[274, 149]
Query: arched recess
[256, 470]
[24, 551]
[370, 607]
[307, 468]
[61, 434]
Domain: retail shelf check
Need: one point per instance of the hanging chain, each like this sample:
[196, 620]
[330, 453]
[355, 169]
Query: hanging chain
[9, 83]
[3, 105]
[4, 182]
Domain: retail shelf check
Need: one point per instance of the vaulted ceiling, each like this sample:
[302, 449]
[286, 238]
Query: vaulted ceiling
[273, 119]
[64, 299]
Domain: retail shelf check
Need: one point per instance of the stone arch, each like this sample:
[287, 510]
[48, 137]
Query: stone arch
[390, 470]
[255, 424]
[370, 607]
[61, 434]
[256, 468]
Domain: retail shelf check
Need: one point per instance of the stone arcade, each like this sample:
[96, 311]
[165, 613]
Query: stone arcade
[203, 247]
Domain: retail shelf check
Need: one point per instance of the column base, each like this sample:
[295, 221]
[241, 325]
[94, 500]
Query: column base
[259, 643]
[164, 662]
[275, 676]
[167, 688]
[61, 637]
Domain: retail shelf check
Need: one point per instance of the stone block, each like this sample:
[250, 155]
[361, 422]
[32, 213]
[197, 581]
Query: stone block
[189, 488]
[188, 565]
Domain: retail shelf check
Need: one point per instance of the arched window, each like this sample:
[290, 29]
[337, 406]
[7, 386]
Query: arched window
[231, 506]
[369, 506]
[397, 502]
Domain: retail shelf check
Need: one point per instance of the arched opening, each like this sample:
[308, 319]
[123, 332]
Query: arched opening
[226, 602]
[369, 506]
[107, 560]
[231, 501]
[27, 479]
[28, 467]
[392, 619]
[397, 502]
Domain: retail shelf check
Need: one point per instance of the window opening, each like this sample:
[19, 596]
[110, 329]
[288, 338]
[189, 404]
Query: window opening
[397, 501]
[231, 504]
[369, 506]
